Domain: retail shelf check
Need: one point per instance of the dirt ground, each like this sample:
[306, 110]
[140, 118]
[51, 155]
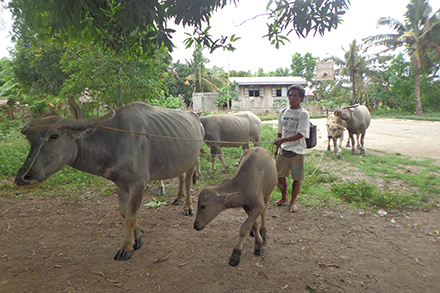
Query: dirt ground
[50, 245]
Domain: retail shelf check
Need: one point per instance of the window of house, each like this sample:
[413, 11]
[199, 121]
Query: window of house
[253, 91]
[276, 92]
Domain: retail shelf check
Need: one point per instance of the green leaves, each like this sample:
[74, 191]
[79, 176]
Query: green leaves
[156, 203]
[140, 27]
[303, 17]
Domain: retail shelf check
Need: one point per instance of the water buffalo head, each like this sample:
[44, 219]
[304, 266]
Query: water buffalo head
[345, 113]
[52, 145]
[209, 205]
[334, 130]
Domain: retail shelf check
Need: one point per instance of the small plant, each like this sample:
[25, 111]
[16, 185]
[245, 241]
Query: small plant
[157, 203]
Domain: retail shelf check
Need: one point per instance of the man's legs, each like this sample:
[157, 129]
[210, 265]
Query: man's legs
[296, 186]
[282, 185]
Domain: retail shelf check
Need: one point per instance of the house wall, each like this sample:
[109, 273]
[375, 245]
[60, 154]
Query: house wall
[265, 102]
[204, 101]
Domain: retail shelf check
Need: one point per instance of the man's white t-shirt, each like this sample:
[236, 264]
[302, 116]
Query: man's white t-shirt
[290, 122]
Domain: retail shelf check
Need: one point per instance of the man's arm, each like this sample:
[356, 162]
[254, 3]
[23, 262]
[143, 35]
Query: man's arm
[279, 141]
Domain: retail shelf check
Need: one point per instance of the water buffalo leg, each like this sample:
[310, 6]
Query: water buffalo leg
[161, 189]
[263, 225]
[189, 210]
[353, 149]
[260, 238]
[362, 143]
[338, 153]
[358, 144]
[222, 159]
[348, 142]
[129, 207]
[234, 260]
[214, 153]
[244, 148]
[180, 194]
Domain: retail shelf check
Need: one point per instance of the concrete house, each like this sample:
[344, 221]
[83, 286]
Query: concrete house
[255, 94]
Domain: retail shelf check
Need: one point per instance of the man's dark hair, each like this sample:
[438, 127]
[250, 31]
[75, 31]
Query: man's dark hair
[300, 89]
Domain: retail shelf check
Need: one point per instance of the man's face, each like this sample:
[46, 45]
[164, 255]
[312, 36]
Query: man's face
[294, 99]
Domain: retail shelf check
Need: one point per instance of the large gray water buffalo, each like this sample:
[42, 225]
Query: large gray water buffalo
[230, 130]
[250, 189]
[358, 120]
[113, 147]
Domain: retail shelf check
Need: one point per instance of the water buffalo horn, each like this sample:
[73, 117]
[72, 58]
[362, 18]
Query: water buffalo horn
[86, 123]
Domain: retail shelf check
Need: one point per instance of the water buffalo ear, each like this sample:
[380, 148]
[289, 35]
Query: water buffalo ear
[82, 133]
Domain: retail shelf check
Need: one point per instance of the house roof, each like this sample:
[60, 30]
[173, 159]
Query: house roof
[268, 80]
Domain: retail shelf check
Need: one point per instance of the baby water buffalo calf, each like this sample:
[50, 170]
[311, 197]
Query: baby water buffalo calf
[250, 189]
[335, 131]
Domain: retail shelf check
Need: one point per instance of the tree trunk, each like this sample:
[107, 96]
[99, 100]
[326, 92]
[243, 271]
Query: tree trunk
[353, 99]
[419, 111]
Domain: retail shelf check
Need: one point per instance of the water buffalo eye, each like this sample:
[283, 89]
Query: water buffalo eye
[203, 207]
[54, 136]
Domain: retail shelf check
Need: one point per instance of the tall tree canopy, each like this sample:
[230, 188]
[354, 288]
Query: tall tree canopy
[141, 26]
[419, 34]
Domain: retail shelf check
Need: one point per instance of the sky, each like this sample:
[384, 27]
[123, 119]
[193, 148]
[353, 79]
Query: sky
[254, 52]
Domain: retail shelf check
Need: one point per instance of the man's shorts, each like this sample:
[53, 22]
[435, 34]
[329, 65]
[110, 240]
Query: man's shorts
[291, 166]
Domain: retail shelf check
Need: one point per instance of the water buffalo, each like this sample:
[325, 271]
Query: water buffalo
[250, 189]
[108, 147]
[230, 130]
[335, 131]
[358, 119]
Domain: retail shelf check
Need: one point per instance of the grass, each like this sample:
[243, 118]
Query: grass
[324, 186]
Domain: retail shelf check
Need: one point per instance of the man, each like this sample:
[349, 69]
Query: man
[293, 129]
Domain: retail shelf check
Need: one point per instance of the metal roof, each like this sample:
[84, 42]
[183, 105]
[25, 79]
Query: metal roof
[269, 80]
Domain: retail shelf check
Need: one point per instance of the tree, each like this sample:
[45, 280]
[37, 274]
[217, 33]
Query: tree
[140, 26]
[115, 80]
[303, 66]
[418, 34]
[202, 78]
[280, 72]
[353, 66]
[358, 66]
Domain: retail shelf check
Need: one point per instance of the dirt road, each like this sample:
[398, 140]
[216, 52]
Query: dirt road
[406, 137]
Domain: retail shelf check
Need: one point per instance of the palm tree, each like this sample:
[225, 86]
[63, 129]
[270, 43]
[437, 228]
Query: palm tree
[418, 34]
[354, 65]
[202, 78]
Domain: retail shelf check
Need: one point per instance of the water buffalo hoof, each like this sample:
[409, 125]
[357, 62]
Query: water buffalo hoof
[264, 240]
[259, 251]
[161, 192]
[188, 212]
[177, 202]
[338, 156]
[234, 260]
[363, 152]
[123, 254]
[252, 233]
[138, 242]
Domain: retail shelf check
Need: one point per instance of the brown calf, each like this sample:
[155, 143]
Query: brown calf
[250, 189]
